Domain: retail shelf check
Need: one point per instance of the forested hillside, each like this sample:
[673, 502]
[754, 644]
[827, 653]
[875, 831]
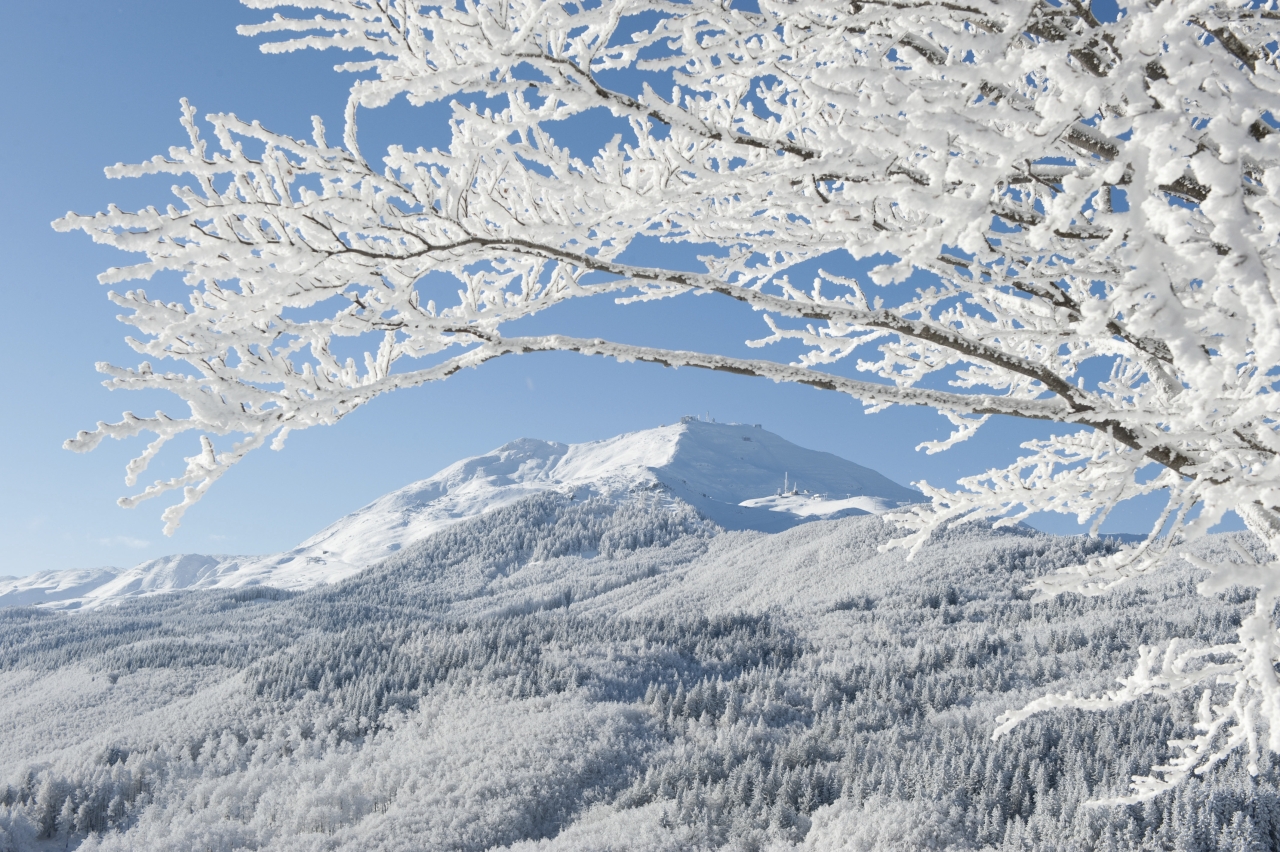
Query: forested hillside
[591, 674]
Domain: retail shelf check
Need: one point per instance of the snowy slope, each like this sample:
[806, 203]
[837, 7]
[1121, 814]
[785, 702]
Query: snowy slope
[44, 587]
[715, 467]
[733, 474]
[545, 677]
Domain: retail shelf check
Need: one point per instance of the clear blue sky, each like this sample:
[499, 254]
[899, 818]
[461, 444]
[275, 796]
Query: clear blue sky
[88, 84]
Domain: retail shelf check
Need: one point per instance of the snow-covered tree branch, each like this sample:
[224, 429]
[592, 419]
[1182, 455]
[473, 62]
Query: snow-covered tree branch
[1092, 199]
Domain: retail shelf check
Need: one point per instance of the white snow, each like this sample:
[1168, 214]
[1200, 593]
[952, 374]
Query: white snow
[804, 505]
[44, 587]
[733, 474]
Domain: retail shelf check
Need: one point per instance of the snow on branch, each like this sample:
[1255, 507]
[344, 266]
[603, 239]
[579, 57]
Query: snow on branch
[1239, 705]
[1053, 249]
[1040, 274]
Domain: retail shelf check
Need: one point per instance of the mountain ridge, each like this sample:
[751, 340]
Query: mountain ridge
[732, 474]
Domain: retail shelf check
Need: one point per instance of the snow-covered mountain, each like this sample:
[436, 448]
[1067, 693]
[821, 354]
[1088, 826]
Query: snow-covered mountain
[739, 476]
[566, 654]
[582, 675]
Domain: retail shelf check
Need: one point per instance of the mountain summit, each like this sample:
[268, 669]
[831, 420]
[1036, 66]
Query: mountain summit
[733, 474]
[738, 476]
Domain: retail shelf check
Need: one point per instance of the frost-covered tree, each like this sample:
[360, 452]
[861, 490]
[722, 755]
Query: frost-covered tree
[1085, 193]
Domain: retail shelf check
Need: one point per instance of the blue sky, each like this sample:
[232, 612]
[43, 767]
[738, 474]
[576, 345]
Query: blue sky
[89, 84]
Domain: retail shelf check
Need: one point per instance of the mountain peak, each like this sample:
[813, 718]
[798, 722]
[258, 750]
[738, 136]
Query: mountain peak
[736, 463]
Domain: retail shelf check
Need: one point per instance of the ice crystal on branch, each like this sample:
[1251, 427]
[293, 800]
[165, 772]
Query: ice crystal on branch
[1087, 198]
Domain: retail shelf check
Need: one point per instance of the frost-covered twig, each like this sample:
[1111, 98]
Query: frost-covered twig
[1239, 705]
[1076, 188]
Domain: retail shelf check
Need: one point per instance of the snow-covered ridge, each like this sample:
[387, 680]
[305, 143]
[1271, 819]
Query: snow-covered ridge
[734, 474]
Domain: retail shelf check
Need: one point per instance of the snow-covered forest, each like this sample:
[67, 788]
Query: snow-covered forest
[596, 674]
